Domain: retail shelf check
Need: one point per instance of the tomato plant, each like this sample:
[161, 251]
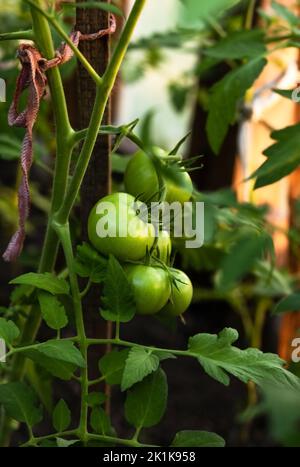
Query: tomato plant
[130, 261]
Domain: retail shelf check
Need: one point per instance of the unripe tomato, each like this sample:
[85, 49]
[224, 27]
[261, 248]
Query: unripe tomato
[116, 227]
[141, 180]
[164, 246]
[181, 295]
[151, 287]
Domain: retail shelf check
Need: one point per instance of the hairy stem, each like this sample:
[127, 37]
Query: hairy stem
[63, 232]
[18, 35]
[44, 41]
[103, 92]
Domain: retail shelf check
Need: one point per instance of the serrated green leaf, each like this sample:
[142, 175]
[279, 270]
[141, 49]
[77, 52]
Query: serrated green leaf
[112, 365]
[218, 358]
[139, 364]
[58, 368]
[46, 281]
[89, 263]
[146, 402]
[96, 398]
[239, 45]
[20, 401]
[224, 99]
[283, 157]
[61, 416]
[197, 439]
[52, 311]
[62, 350]
[100, 421]
[8, 331]
[240, 259]
[290, 303]
[118, 299]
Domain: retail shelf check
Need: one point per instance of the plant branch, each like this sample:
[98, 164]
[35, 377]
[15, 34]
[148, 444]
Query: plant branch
[43, 39]
[102, 96]
[63, 232]
[250, 14]
[17, 35]
[51, 19]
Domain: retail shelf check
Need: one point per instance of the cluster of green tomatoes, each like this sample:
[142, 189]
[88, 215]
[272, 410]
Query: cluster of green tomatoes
[143, 249]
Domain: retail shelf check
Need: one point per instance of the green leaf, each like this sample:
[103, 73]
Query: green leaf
[139, 364]
[290, 303]
[65, 443]
[19, 401]
[100, 421]
[95, 5]
[239, 45]
[41, 383]
[46, 281]
[62, 350]
[8, 331]
[112, 365]
[285, 13]
[283, 157]
[10, 148]
[197, 439]
[118, 299]
[282, 406]
[201, 11]
[146, 402]
[95, 398]
[55, 367]
[287, 93]
[178, 95]
[224, 99]
[52, 311]
[218, 358]
[61, 416]
[89, 263]
[240, 259]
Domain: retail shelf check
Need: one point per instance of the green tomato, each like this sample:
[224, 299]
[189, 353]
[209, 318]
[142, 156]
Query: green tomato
[116, 227]
[141, 180]
[151, 287]
[164, 246]
[181, 296]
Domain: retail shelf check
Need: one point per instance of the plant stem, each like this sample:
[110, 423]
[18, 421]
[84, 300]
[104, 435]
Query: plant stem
[89, 436]
[250, 14]
[86, 289]
[18, 35]
[118, 330]
[44, 41]
[65, 143]
[97, 381]
[103, 92]
[51, 19]
[63, 232]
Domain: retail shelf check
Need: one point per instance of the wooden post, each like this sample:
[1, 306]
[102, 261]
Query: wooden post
[97, 182]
